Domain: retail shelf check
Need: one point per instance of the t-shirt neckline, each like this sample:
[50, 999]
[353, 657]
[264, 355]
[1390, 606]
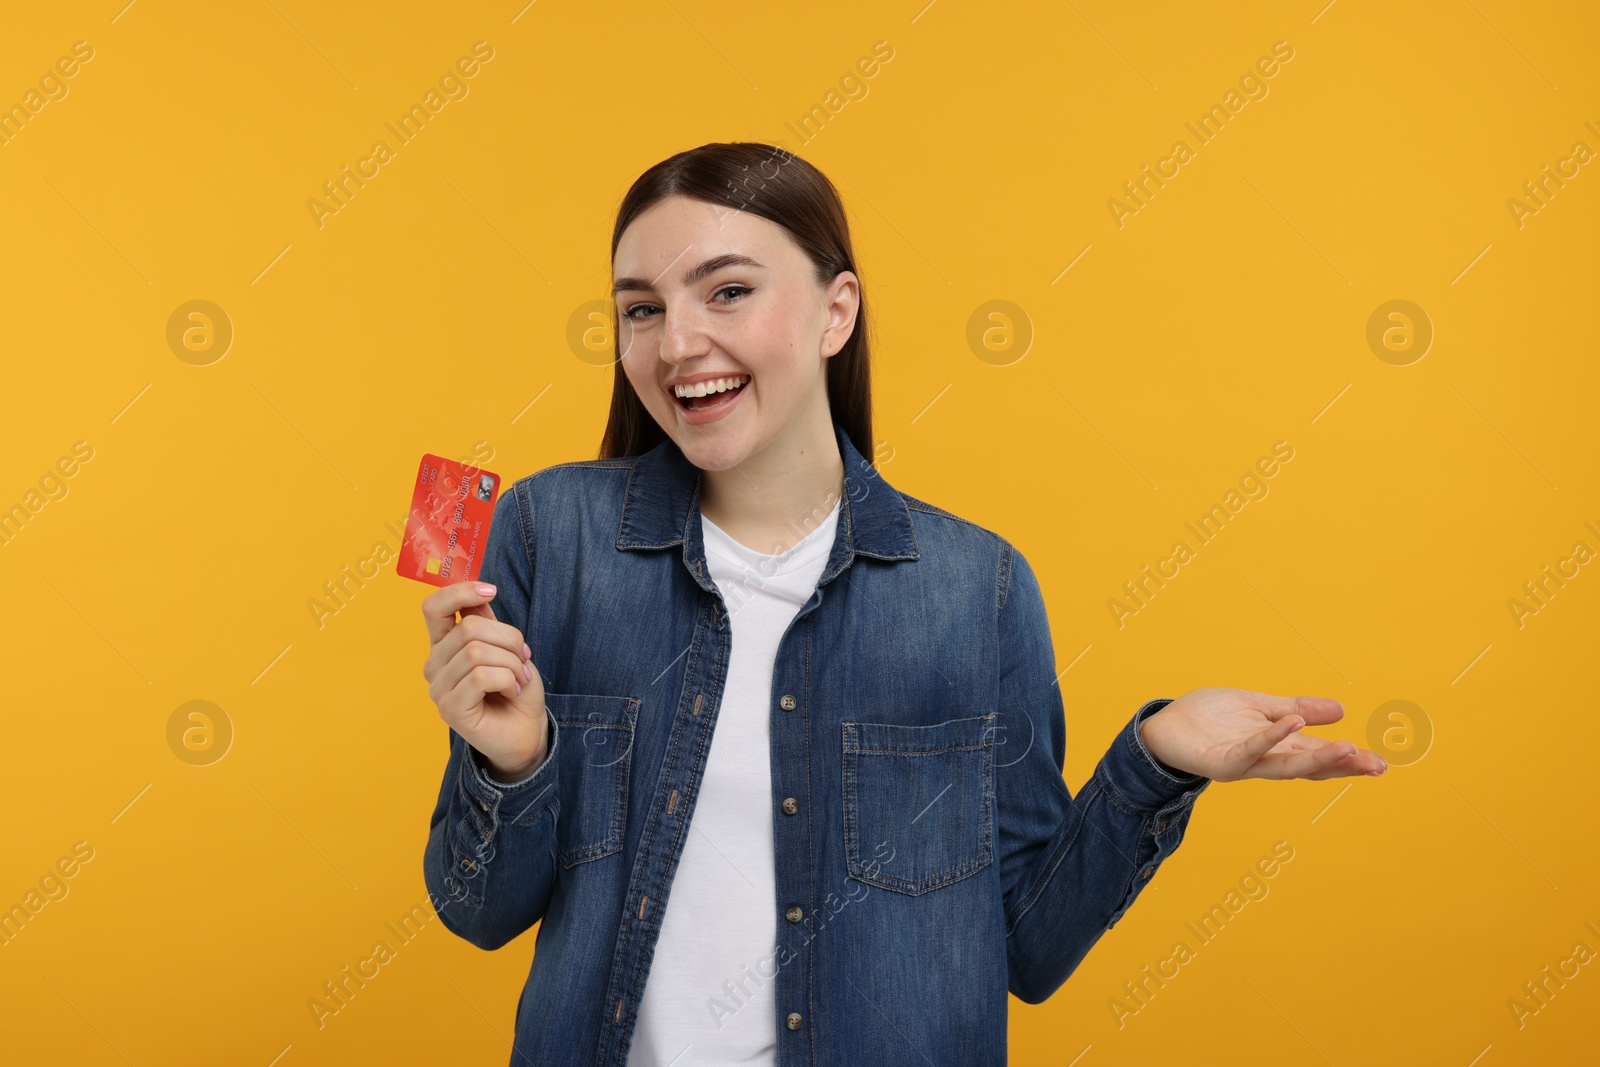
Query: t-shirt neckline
[806, 550]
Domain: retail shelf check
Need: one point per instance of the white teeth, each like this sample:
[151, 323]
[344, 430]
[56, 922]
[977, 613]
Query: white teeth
[715, 385]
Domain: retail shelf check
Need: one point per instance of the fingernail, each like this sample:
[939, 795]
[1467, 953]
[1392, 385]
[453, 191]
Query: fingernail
[519, 688]
[527, 672]
[486, 590]
[527, 653]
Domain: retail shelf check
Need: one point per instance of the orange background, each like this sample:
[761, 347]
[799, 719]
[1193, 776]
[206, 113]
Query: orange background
[435, 311]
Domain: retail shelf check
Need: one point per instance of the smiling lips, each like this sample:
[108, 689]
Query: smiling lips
[708, 400]
[713, 385]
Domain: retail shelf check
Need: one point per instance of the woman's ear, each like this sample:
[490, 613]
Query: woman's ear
[843, 296]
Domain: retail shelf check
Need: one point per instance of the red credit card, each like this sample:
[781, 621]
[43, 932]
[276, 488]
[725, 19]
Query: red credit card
[448, 525]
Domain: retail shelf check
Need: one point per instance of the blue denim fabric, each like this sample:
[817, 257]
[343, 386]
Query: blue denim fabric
[920, 817]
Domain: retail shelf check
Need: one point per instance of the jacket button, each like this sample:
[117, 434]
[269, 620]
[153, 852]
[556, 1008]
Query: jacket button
[790, 805]
[793, 1021]
[1147, 872]
[1161, 826]
[786, 702]
[794, 914]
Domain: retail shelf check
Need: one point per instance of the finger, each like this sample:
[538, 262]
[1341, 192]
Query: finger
[1253, 748]
[473, 628]
[1359, 762]
[481, 654]
[1316, 711]
[440, 606]
[472, 688]
[1302, 764]
[477, 628]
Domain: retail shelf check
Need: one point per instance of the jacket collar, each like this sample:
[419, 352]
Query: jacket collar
[661, 508]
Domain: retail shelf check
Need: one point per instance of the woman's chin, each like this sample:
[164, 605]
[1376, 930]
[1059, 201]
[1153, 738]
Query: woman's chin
[714, 446]
[711, 452]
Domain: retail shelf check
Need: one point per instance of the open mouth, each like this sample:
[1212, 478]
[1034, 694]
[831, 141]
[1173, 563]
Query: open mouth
[703, 396]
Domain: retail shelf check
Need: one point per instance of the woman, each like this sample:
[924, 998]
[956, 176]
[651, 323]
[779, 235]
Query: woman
[785, 785]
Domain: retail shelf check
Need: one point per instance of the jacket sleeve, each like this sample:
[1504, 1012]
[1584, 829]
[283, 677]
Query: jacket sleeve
[490, 859]
[1069, 866]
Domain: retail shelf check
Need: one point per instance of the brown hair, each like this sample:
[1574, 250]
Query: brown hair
[774, 184]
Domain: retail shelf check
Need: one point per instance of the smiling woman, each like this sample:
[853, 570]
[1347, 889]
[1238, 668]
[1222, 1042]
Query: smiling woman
[743, 718]
[744, 257]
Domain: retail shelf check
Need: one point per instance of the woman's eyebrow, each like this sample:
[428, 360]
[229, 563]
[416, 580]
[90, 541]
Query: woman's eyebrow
[691, 276]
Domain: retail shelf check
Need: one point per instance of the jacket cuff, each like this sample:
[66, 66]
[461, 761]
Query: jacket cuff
[1139, 779]
[489, 793]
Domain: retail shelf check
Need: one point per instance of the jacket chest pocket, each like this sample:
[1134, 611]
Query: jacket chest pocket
[596, 754]
[918, 802]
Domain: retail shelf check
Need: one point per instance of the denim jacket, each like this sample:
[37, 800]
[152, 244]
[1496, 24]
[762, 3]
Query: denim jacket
[930, 857]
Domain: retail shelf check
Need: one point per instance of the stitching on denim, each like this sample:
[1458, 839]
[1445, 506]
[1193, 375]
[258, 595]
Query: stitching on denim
[1003, 580]
[918, 751]
[466, 896]
[636, 980]
[848, 541]
[859, 872]
[1123, 804]
[1147, 853]
[675, 735]
[611, 464]
[911, 525]
[1147, 758]
[846, 782]
[631, 984]
[483, 788]
[460, 894]
[850, 781]
[1080, 809]
[613, 840]
[684, 538]
[469, 789]
[525, 525]
[932, 509]
[533, 811]
[529, 812]
[811, 942]
[877, 480]
[627, 495]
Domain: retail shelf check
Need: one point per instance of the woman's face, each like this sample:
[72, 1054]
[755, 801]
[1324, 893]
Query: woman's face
[706, 292]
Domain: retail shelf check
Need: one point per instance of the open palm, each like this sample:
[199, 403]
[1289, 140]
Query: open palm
[1229, 734]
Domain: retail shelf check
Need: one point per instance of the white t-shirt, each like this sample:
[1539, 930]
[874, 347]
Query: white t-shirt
[709, 995]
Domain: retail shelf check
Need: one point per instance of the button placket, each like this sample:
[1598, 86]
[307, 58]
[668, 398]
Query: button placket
[702, 678]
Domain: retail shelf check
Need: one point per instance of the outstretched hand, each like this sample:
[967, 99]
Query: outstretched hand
[1229, 734]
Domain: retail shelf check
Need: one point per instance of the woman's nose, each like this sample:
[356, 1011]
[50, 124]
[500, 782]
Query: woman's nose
[683, 336]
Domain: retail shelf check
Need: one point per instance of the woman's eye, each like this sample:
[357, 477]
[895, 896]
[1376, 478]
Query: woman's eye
[638, 313]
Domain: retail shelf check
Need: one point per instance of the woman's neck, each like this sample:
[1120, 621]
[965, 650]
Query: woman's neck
[778, 496]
